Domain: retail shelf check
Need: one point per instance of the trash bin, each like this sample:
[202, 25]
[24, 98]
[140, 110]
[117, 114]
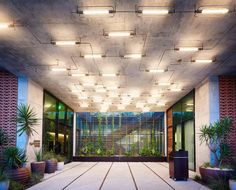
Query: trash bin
[178, 165]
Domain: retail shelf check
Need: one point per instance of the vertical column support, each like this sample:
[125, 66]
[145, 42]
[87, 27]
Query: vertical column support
[74, 133]
[165, 128]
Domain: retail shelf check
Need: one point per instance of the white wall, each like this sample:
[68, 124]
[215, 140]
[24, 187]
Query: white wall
[35, 100]
[206, 112]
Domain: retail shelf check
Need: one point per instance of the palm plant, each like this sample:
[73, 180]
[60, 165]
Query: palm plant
[214, 135]
[26, 120]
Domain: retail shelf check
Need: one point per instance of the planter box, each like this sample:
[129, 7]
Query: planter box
[38, 168]
[208, 174]
[51, 166]
[60, 165]
[21, 175]
[118, 159]
[232, 184]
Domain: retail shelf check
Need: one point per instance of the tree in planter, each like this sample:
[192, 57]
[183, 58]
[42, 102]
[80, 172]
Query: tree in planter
[26, 120]
[214, 135]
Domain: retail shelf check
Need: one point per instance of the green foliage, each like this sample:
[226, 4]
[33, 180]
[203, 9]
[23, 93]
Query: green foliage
[197, 178]
[14, 158]
[234, 168]
[16, 186]
[26, 120]
[3, 175]
[219, 184]
[38, 155]
[145, 151]
[49, 156]
[88, 149]
[3, 137]
[110, 152]
[35, 178]
[60, 158]
[213, 135]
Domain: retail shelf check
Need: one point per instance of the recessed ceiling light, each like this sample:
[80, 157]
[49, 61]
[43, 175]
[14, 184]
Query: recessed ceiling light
[84, 105]
[58, 69]
[119, 33]
[175, 89]
[163, 83]
[154, 11]
[213, 11]
[134, 56]
[65, 43]
[5, 25]
[91, 56]
[188, 49]
[83, 97]
[121, 107]
[161, 104]
[203, 60]
[79, 74]
[109, 75]
[155, 70]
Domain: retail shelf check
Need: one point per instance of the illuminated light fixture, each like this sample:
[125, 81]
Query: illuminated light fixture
[154, 11]
[135, 95]
[188, 49]
[5, 25]
[58, 69]
[121, 107]
[93, 56]
[109, 74]
[175, 89]
[88, 84]
[133, 56]
[155, 70]
[119, 33]
[202, 61]
[84, 105]
[156, 95]
[96, 12]
[189, 104]
[97, 99]
[163, 83]
[161, 104]
[100, 90]
[213, 11]
[126, 103]
[113, 95]
[65, 43]
[83, 97]
[140, 105]
[151, 101]
[79, 75]
[146, 109]
[112, 87]
[99, 86]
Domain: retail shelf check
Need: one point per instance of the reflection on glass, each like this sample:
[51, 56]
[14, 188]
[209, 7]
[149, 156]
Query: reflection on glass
[126, 133]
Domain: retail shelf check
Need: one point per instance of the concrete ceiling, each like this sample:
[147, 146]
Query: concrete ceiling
[26, 49]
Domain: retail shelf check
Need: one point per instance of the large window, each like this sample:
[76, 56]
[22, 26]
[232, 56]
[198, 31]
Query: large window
[121, 133]
[183, 122]
[57, 128]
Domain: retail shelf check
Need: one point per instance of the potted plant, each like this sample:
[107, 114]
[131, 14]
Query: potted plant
[38, 167]
[214, 135]
[26, 120]
[14, 160]
[51, 162]
[4, 181]
[232, 181]
[60, 162]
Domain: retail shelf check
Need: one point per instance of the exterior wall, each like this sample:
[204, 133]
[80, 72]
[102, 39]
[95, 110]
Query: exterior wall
[228, 106]
[35, 100]
[206, 112]
[8, 105]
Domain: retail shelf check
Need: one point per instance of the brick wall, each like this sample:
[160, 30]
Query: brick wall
[228, 105]
[8, 105]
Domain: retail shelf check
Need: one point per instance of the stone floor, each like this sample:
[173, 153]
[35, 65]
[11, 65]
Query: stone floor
[115, 176]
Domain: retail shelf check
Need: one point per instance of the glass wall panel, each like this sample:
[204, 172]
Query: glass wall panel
[123, 133]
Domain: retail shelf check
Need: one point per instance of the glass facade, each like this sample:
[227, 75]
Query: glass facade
[120, 133]
[183, 122]
[57, 127]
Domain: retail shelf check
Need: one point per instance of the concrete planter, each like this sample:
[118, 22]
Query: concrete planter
[232, 184]
[4, 185]
[20, 175]
[209, 174]
[60, 165]
[38, 167]
[51, 166]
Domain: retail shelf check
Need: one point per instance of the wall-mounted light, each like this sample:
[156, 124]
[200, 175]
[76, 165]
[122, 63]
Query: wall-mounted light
[65, 43]
[133, 56]
[212, 10]
[202, 60]
[188, 48]
[91, 56]
[58, 69]
[119, 33]
[155, 70]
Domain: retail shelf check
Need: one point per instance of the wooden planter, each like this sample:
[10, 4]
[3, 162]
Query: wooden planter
[20, 175]
[38, 167]
[209, 174]
[51, 166]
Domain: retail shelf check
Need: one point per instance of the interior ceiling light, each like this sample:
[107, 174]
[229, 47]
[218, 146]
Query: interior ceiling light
[84, 105]
[79, 74]
[5, 25]
[188, 49]
[203, 61]
[88, 84]
[58, 69]
[134, 56]
[146, 109]
[156, 95]
[100, 90]
[140, 105]
[213, 10]
[175, 89]
[96, 12]
[161, 104]
[154, 11]
[121, 107]
[155, 70]
[109, 74]
[112, 87]
[119, 33]
[91, 56]
[163, 83]
[65, 43]
[189, 104]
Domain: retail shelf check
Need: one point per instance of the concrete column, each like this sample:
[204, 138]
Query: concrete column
[74, 134]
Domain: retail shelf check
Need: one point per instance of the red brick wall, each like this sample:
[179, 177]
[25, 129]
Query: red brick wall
[8, 105]
[227, 86]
